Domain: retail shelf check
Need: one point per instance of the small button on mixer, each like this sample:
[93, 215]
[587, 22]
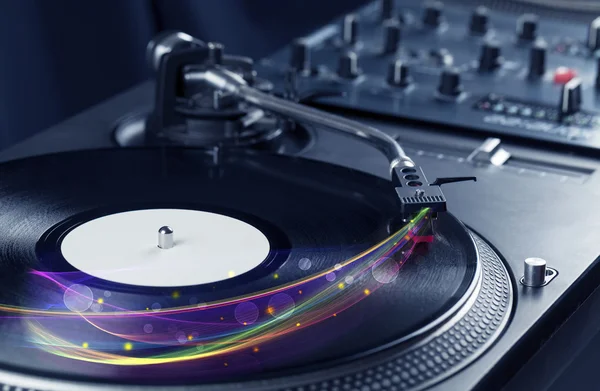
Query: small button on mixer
[563, 75]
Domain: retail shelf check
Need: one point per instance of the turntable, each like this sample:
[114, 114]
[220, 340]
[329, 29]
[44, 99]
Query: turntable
[224, 235]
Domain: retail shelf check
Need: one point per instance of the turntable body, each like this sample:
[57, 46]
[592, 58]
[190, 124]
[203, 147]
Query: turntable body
[543, 220]
[544, 208]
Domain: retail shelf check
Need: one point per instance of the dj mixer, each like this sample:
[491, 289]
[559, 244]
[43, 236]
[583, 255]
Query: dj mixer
[471, 68]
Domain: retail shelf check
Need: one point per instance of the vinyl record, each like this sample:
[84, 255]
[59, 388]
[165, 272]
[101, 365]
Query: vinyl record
[278, 265]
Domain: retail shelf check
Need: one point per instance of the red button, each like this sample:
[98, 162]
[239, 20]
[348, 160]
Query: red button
[563, 75]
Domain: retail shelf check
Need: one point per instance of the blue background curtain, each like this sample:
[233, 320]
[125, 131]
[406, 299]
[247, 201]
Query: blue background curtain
[59, 57]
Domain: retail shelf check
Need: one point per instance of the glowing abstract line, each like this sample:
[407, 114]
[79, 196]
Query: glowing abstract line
[121, 337]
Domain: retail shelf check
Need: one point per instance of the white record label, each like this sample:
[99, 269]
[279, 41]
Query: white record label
[123, 247]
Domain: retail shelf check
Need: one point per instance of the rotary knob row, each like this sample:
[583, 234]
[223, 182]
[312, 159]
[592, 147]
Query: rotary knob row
[491, 57]
[450, 85]
[526, 28]
[398, 72]
[479, 22]
[433, 17]
[392, 30]
[399, 75]
[450, 79]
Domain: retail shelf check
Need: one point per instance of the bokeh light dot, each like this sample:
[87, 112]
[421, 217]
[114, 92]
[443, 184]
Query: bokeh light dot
[304, 264]
[282, 306]
[181, 337]
[349, 280]
[156, 307]
[148, 328]
[78, 298]
[385, 270]
[246, 313]
[96, 307]
[330, 276]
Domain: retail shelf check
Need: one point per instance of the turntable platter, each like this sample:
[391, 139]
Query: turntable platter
[304, 304]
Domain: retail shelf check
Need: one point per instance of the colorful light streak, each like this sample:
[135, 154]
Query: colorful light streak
[130, 337]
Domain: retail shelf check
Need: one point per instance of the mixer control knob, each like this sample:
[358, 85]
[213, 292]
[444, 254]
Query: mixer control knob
[350, 29]
[527, 27]
[391, 36]
[450, 82]
[387, 9]
[432, 16]
[300, 55]
[348, 65]
[479, 21]
[398, 74]
[490, 58]
[570, 98]
[598, 72]
[537, 59]
[593, 41]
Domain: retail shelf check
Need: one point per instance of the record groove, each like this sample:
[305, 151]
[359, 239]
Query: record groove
[315, 211]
